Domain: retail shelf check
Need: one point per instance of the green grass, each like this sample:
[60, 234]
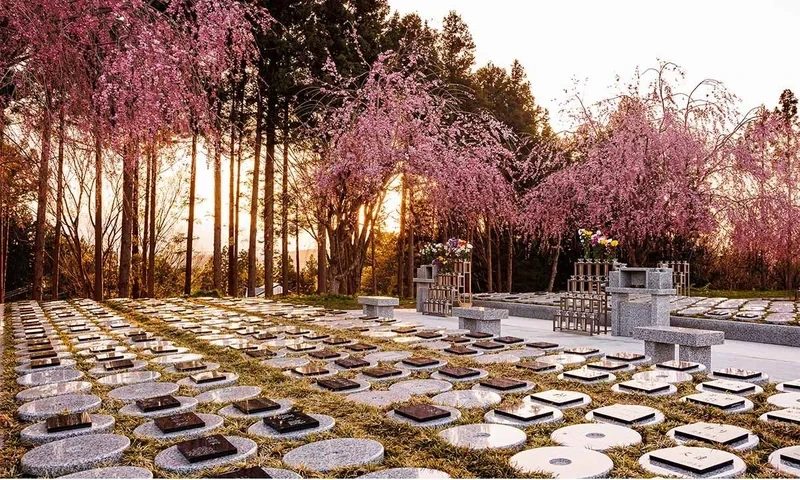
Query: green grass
[336, 302]
[774, 294]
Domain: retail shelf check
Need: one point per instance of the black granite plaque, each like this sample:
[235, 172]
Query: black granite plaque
[206, 377]
[69, 421]
[292, 421]
[206, 448]
[581, 350]
[302, 347]
[404, 330]
[509, 340]
[543, 345]
[525, 413]
[458, 372]
[264, 336]
[420, 362]
[179, 422]
[624, 414]
[488, 345]
[608, 365]
[325, 354]
[154, 404]
[309, 371]
[676, 365]
[103, 349]
[164, 349]
[360, 347]
[479, 335]
[537, 366]
[260, 353]
[105, 357]
[338, 384]
[46, 362]
[249, 472]
[456, 339]
[644, 386]
[40, 342]
[335, 341]
[626, 356]
[194, 365]
[44, 354]
[256, 405]
[460, 350]
[40, 348]
[503, 383]
[381, 372]
[352, 362]
[422, 413]
[428, 335]
[118, 365]
[737, 373]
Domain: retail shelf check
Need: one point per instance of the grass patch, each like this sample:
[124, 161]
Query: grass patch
[336, 302]
[770, 294]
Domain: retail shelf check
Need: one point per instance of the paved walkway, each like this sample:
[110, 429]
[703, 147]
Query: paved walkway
[779, 362]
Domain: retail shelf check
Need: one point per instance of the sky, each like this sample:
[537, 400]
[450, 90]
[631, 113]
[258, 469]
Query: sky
[749, 46]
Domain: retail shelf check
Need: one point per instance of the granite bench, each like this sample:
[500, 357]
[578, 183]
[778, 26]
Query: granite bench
[379, 306]
[479, 319]
[694, 345]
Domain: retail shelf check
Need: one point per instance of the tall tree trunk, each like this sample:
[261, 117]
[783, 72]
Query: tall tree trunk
[187, 279]
[217, 260]
[98, 217]
[136, 240]
[297, 249]
[41, 202]
[510, 260]
[489, 267]
[151, 256]
[59, 206]
[285, 204]
[231, 205]
[401, 241]
[251, 245]
[124, 286]
[410, 245]
[499, 263]
[554, 267]
[322, 256]
[374, 273]
[146, 220]
[269, 196]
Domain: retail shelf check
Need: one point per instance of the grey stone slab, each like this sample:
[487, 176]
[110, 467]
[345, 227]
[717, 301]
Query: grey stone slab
[37, 433]
[787, 415]
[66, 363]
[231, 411]
[455, 414]
[379, 398]
[131, 393]
[260, 429]
[330, 455]
[626, 415]
[726, 403]
[785, 400]
[538, 414]
[786, 460]
[51, 376]
[229, 394]
[379, 301]
[112, 472]
[286, 363]
[177, 358]
[173, 461]
[407, 473]
[596, 436]
[422, 386]
[484, 436]
[230, 379]
[47, 407]
[563, 359]
[563, 462]
[730, 386]
[467, 399]
[480, 313]
[74, 454]
[731, 436]
[53, 389]
[150, 431]
[387, 356]
[697, 458]
[667, 376]
[680, 336]
[100, 370]
[129, 378]
[502, 357]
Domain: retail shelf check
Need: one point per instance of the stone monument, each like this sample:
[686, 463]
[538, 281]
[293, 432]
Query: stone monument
[628, 313]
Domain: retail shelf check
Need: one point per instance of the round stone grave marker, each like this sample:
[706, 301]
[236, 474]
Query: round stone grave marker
[73, 454]
[188, 404]
[286, 363]
[25, 368]
[112, 472]
[492, 358]
[131, 393]
[150, 431]
[100, 370]
[379, 398]
[696, 462]
[785, 400]
[260, 429]
[422, 387]
[785, 460]
[596, 436]
[173, 461]
[666, 376]
[232, 412]
[407, 473]
[626, 415]
[538, 413]
[438, 364]
[177, 358]
[53, 389]
[484, 436]
[37, 433]
[467, 399]
[527, 352]
[47, 407]
[563, 359]
[207, 367]
[563, 462]
[329, 455]
[730, 386]
[129, 378]
[230, 379]
[229, 394]
[36, 379]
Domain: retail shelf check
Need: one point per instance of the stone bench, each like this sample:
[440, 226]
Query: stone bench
[379, 306]
[479, 319]
[694, 344]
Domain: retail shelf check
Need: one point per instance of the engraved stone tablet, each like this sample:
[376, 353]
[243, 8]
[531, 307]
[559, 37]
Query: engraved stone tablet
[558, 398]
[581, 350]
[105, 357]
[697, 463]
[158, 403]
[428, 335]
[352, 362]
[420, 361]
[69, 421]
[679, 366]
[644, 386]
[525, 413]
[537, 366]
[404, 330]
[381, 372]
[718, 400]
[626, 356]
[206, 377]
[118, 365]
[791, 455]
[206, 448]
[260, 353]
[40, 348]
[503, 383]
[422, 413]
[190, 366]
[458, 372]
[790, 415]
[179, 422]
[737, 373]
[338, 384]
[509, 340]
[460, 350]
[456, 339]
[729, 386]
[315, 336]
[360, 347]
[302, 347]
[309, 371]
[627, 414]
[296, 331]
[712, 433]
[102, 349]
[44, 354]
[88, 338]
[793, 385]
[488, 345]
[45, 362]
[164, 349]
[335, 341]
[256, 405]
[264, 336]
[325, 354]
[586, 375]
[542, 345]
[478, 335]
[607, 365]
[249, 472]
[292, 421]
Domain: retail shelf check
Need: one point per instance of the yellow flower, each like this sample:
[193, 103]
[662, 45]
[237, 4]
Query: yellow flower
[603, 241]
[614, 243]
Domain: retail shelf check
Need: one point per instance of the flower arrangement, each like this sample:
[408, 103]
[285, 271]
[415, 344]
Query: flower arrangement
[445, 254]
[596, 245]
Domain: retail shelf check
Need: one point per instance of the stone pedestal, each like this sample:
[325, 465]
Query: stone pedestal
[479, 319]
[379, 306]
[659, 352]
[423, 287]
[700, 355]
[627, 313]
